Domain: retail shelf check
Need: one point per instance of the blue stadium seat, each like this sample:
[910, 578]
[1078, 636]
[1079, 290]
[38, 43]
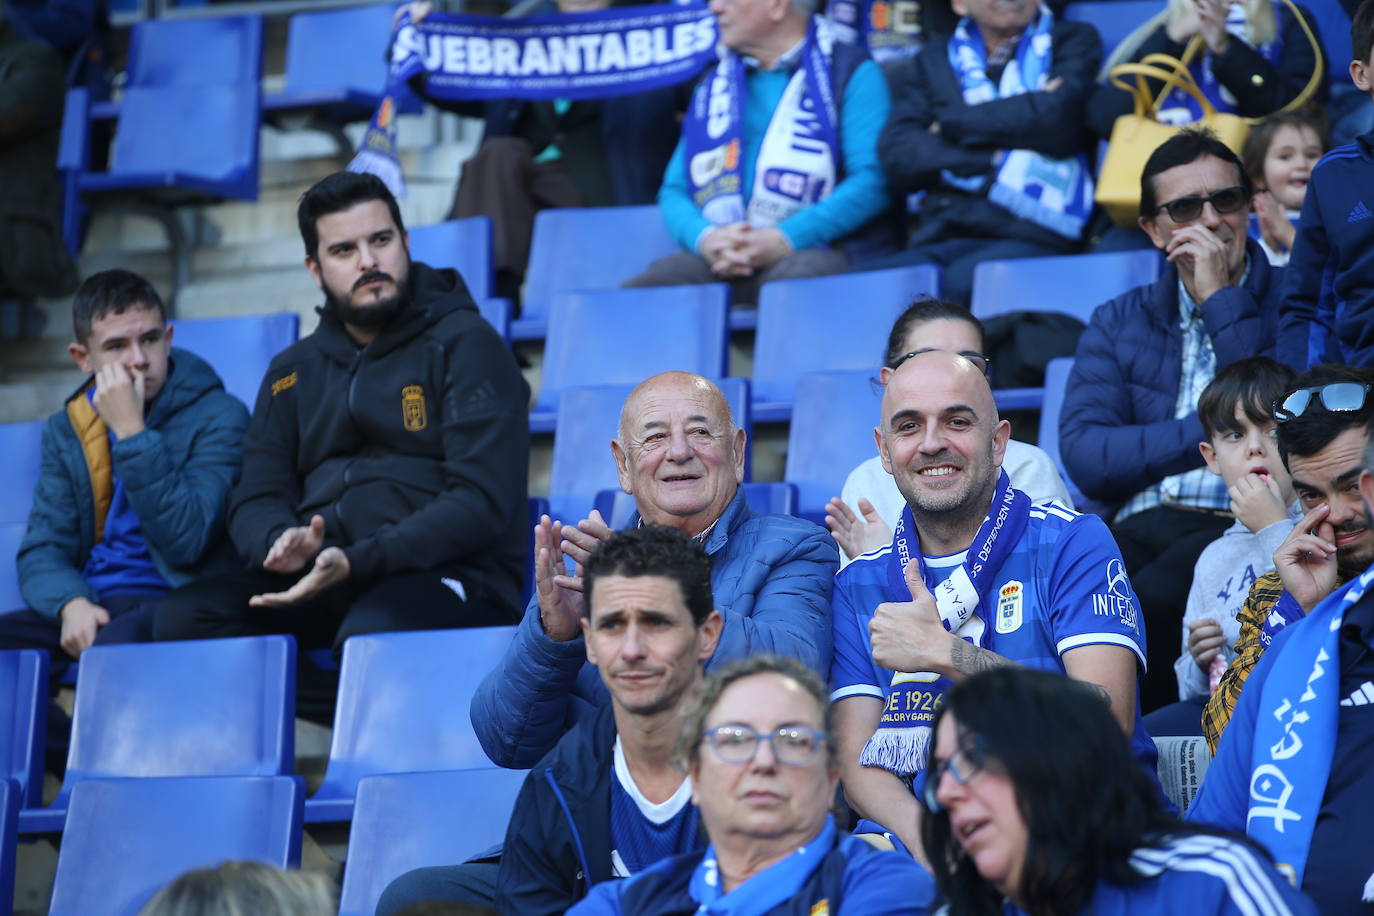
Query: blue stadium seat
[831, 433]
[589, 418]
[23, 722]
[1037, 285]
[21, 448]
[827, 324]
[336, 64]
[403, 708]
[413, 820]
[240, 348]
[9, 817]
[215, 707]
[586, 248]
[1113, 19]
[617, 507]
[497, 312]
[1056, 383]
[128, 838]
[187, 129]
[463, 244]
[597, 338]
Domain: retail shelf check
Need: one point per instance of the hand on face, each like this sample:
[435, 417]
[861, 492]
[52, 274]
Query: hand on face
[1200, 252]
[119, 399]
[1257, 501]
[1306, 560]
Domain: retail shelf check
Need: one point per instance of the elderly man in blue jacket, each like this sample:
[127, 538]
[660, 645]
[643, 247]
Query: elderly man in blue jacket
[134, 484]
[681, 456]
[1130, 429]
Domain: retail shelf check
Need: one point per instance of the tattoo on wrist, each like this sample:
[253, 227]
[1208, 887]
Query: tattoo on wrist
[970, 659]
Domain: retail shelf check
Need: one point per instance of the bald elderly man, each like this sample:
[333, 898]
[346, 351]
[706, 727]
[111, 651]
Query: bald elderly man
[976, 577]
[681, 456]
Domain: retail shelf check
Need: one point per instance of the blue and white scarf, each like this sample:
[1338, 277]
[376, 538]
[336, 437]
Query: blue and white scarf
[1181, 108]
[1054, 193]
[1295, 734]
[767, 889]
[798, 159]
[901, 744]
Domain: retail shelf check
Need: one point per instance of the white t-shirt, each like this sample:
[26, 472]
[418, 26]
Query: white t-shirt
[1030, 468]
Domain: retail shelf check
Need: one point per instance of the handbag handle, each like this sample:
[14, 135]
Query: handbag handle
[1318, 71]
[1144, 105]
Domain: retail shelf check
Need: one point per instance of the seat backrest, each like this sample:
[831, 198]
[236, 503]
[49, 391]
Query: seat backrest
[597, 338]
[239, 348]
[23, 718]
[215, 707]
[11, 536]
[588, 419]
[338, 49]
[207, 133]
[825, 324]
[21, 449]
[497, 312]
[403, 704]
[463, 244]
[161, 828]
[832, 432]
[196, 52]
[1038, 284]
[590, 248]
[413, 820]
[1113, 19]
[1056, 384]
[617, 507]
[9, 828]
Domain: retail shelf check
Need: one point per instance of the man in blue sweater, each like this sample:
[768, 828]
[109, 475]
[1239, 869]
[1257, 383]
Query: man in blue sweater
[134, 486]
[1327, 313]
[777, 171]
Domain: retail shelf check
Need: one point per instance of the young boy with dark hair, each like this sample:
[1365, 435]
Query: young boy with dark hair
[1236, 410]
[1327, 311]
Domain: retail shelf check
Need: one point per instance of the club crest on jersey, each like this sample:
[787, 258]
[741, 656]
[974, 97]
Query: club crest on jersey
[1009, 601]
[413, 408]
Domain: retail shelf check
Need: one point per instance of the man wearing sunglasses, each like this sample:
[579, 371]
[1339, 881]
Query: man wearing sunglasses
[1321, 436]
[607, 801]
[1296, 771]
[1130, 427]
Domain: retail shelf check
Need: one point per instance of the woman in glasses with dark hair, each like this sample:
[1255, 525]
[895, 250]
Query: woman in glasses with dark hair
[758, 745]
[862, 517]
[1036, 807]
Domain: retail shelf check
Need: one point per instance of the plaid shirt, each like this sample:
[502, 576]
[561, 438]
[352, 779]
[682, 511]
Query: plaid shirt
[1199, 488]
[1264, 594]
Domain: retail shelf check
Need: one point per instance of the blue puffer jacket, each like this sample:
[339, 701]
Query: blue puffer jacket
[177, 473]
[1118, 433]
[771, 577]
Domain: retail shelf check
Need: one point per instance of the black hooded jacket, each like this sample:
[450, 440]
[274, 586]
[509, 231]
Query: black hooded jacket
[414, 448]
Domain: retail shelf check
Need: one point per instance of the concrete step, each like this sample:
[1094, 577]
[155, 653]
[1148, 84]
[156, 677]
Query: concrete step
[34, 399]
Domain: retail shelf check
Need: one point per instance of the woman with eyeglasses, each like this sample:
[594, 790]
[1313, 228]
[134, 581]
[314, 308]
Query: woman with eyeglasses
[758, 746]
[1036, 808]
[862, 517]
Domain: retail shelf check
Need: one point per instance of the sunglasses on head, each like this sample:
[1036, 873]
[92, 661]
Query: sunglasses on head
[1187, 209]
[983, 364]
[1336, 397]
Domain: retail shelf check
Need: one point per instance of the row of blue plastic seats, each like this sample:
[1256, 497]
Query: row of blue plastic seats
[221, 708]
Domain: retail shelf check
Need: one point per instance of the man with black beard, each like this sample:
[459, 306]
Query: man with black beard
[384, 469]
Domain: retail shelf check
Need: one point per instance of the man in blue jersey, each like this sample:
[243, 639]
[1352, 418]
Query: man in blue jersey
[975, 577]
[608, 800]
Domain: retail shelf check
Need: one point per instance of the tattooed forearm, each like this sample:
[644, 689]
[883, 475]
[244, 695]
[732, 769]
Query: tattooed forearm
[970, 659]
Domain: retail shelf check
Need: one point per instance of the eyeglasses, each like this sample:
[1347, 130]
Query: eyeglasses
[1338, 396]
[979, 360]
[1187, 209]
[794, 745]
[975, 761]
